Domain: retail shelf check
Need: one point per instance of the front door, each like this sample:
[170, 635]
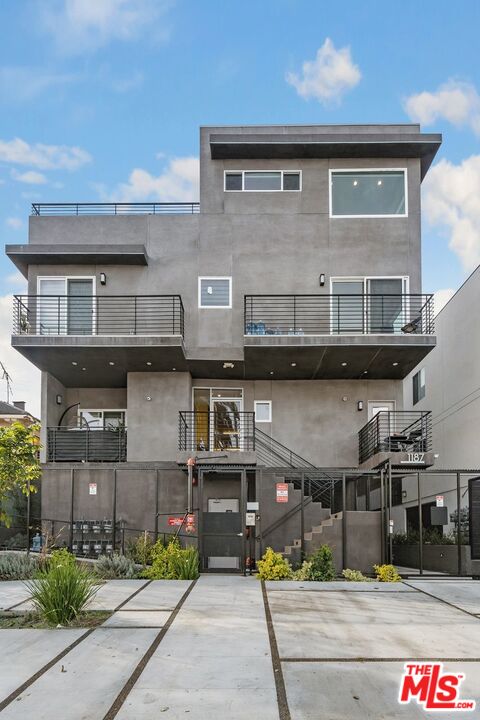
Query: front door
[226, 430]
[222, 502]
[80, 307]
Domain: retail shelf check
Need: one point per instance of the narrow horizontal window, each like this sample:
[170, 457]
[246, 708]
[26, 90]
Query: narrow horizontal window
[215, 292]
[262, 180]
[368, 193]
[263, 411]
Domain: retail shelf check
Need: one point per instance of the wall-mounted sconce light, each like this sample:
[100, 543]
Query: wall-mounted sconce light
[148, 398]
[59, 399]
[321, 279]
[344, 398]
[360, 405]
[103, 279]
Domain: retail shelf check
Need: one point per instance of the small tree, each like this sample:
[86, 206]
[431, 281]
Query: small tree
[19, 462]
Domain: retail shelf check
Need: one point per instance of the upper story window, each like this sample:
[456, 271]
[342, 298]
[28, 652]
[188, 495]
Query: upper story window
[215, 292]
[368, 193]
[418, 386]
[262, 180]
[102, 419]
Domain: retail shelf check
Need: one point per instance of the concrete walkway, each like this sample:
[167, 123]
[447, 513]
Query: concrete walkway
[221, 648]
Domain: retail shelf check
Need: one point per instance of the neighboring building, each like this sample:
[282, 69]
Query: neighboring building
[266, 326]
[447, 382]
[15, 413]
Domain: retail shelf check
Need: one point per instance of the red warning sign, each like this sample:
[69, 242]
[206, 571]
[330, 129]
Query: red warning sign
[282, 492]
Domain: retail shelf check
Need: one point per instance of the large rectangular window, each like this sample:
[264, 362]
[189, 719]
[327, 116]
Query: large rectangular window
[368, 193]
[262, 180]
[102, 419]
[214, 292]
[418, 386]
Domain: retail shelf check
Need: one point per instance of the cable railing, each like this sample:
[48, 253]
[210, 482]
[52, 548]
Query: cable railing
[228, 430]
[122, 208]
[394, 432]
[71, 444]
[98, 315]
[325, 314]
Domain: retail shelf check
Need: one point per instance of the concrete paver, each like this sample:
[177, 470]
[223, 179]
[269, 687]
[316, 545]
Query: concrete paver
[93, 674]
[158, 595]
[337, 585]
[464, 594]
[207, 665]
[137, 618]
[362, 690]
[114, 592]
[371, 625]
[11, 593]
[25, 652]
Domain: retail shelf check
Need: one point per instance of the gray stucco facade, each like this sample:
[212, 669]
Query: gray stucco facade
[321, 386]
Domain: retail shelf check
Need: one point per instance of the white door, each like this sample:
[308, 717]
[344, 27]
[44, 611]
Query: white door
[51, 308]
[376, 407]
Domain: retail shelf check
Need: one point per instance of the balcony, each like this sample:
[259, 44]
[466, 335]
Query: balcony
[404, 437]
[229, 433]
[127, 333]
[337, 336]
[86, 445]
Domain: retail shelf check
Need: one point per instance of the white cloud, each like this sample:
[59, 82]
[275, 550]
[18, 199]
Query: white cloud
[21, 84]
[31, 177]
[328, 77]
[441, 298]
[457, 102]
[18, 281]
[14, 223]
[179, 182]
[25, 376]
[45, 157]
[451, 202]
[79, 26]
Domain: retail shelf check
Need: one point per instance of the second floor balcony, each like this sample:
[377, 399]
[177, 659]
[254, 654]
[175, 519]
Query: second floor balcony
[221, 431]
[404, 437]
[72, 444]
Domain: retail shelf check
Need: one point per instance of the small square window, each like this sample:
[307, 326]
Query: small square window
[263, 411]
[233, 181]
[215, 292]
[418, 386]
[291, 181]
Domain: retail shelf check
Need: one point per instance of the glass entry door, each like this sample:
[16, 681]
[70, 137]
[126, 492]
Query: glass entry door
[226, 430]
[348, 312]
[80, 307]
[385, 313]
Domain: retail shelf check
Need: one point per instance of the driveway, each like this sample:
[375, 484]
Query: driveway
[230, 647]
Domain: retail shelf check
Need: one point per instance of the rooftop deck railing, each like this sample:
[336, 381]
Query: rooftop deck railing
[339, 314]
[215, 431]
[179, 208]
[98, 315]
[66, 444]
[394, 432]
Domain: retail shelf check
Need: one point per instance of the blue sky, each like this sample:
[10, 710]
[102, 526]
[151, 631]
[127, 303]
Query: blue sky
[95, 89]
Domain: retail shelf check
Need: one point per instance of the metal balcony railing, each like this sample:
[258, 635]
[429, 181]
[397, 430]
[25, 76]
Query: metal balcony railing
[66, 444]
[179, 208]
[396, 431]
[216, 430]
[338, 314]
[98, 315]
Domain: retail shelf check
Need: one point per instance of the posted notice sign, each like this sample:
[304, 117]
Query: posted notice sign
[440, 500]
[92, 488]
[282, 492]
[172, 521]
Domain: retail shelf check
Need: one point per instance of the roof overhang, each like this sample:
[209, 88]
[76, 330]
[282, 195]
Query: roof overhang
[232, 146]
[53, 254]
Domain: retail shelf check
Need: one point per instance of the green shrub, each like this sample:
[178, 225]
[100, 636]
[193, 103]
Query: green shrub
[185, 564]
[172, 562]
[61, 557]
[140, 549]
[387, 573]
[355, 576]
[322, 565]
[303, 572]
[61, 592]
[273, 566]
[115, 566]
[17, 566]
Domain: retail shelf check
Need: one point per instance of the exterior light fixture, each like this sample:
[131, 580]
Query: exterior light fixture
[365, 372]
[321, 279]
[228, 365]
[173, 369]
[355, 183]
[148, 363]
[148, 398]
[74, 363]
[58, 399]
[360, 405]
[111, 362]
[379, 182]
[345, 398]
[293, 364]
[271, 372]
[103, 279]
[84, 368]
[395, 364]
[344, 364]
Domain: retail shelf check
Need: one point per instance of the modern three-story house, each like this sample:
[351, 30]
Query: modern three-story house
[269, 325]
